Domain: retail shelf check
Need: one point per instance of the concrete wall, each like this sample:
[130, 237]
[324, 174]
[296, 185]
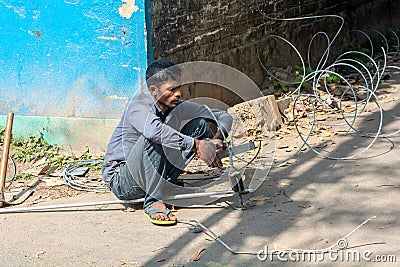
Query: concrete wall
[64, 60]
[231, 32]
[68, 67]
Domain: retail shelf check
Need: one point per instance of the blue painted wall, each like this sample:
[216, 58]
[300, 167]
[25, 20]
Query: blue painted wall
[71, 58]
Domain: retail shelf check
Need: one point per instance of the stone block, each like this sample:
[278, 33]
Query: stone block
[260, 115]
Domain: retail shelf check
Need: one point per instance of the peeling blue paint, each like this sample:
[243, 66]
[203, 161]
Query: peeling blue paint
[70, 59]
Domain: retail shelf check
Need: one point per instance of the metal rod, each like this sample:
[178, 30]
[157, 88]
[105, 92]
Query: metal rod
[4, 161]
[112, 202]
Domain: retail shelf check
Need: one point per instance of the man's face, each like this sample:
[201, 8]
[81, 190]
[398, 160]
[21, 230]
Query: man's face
[167, 94]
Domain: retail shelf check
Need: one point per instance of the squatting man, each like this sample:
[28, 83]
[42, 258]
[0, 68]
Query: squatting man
[157, 136]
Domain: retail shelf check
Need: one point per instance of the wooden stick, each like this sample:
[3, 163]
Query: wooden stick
[6, 149]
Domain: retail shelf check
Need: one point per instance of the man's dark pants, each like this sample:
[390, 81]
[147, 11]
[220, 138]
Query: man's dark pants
[152, 171]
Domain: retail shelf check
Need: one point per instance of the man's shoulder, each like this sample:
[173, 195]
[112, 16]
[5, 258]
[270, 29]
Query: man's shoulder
[188, 103]
[142, 97]
[193, 105]
[139, 101]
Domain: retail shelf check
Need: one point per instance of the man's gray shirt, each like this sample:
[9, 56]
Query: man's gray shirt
[143, 117]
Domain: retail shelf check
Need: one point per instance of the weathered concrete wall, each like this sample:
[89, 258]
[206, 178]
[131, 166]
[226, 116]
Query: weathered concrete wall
[72, 133]
[68, 67]
[70, 58]
[231, 32]
[61, 60]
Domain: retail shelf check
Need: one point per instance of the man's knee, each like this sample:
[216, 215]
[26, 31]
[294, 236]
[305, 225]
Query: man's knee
[199, 128]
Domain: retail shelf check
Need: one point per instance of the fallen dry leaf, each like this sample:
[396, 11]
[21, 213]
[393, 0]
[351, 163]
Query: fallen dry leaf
[258, 198]
[389, 100]
[282, 147]
[284, 211]
[290, 149]
[324, 240]
[325, 143]
[40, 253]
[286, 163]
[280, 192]
[45, 169]
[322, 117]
[326, 133]
[38, 171]
[196, 255]
[382, 185]
[160, 260]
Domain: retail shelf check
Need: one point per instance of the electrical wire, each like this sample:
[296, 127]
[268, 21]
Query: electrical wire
[370, 72]
[79, 182]
[340, 244]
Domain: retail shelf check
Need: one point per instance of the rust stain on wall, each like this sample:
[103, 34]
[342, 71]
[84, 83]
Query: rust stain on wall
[38, 34]
[127, 9]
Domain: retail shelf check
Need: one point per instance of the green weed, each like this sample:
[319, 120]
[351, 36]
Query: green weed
[33, 148]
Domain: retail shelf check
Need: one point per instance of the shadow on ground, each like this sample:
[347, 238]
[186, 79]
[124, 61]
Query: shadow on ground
[310, 204]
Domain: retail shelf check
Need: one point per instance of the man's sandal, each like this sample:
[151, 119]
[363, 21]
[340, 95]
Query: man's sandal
[148, 214]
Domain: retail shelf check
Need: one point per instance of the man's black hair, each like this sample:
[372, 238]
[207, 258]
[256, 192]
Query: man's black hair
[160, 71]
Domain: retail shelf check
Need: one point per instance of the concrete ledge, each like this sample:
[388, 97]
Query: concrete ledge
[73, 133]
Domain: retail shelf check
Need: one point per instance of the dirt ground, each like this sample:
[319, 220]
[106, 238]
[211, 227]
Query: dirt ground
[308, 203]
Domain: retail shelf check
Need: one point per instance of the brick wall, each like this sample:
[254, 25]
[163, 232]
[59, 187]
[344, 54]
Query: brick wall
[231, 32]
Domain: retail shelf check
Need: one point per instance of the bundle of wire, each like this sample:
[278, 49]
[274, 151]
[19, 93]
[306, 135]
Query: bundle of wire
[73, 176]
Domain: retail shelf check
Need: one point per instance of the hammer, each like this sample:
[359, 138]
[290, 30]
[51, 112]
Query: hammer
[6, 149]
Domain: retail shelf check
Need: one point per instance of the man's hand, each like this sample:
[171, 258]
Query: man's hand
[220, 135]
[207, 151]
